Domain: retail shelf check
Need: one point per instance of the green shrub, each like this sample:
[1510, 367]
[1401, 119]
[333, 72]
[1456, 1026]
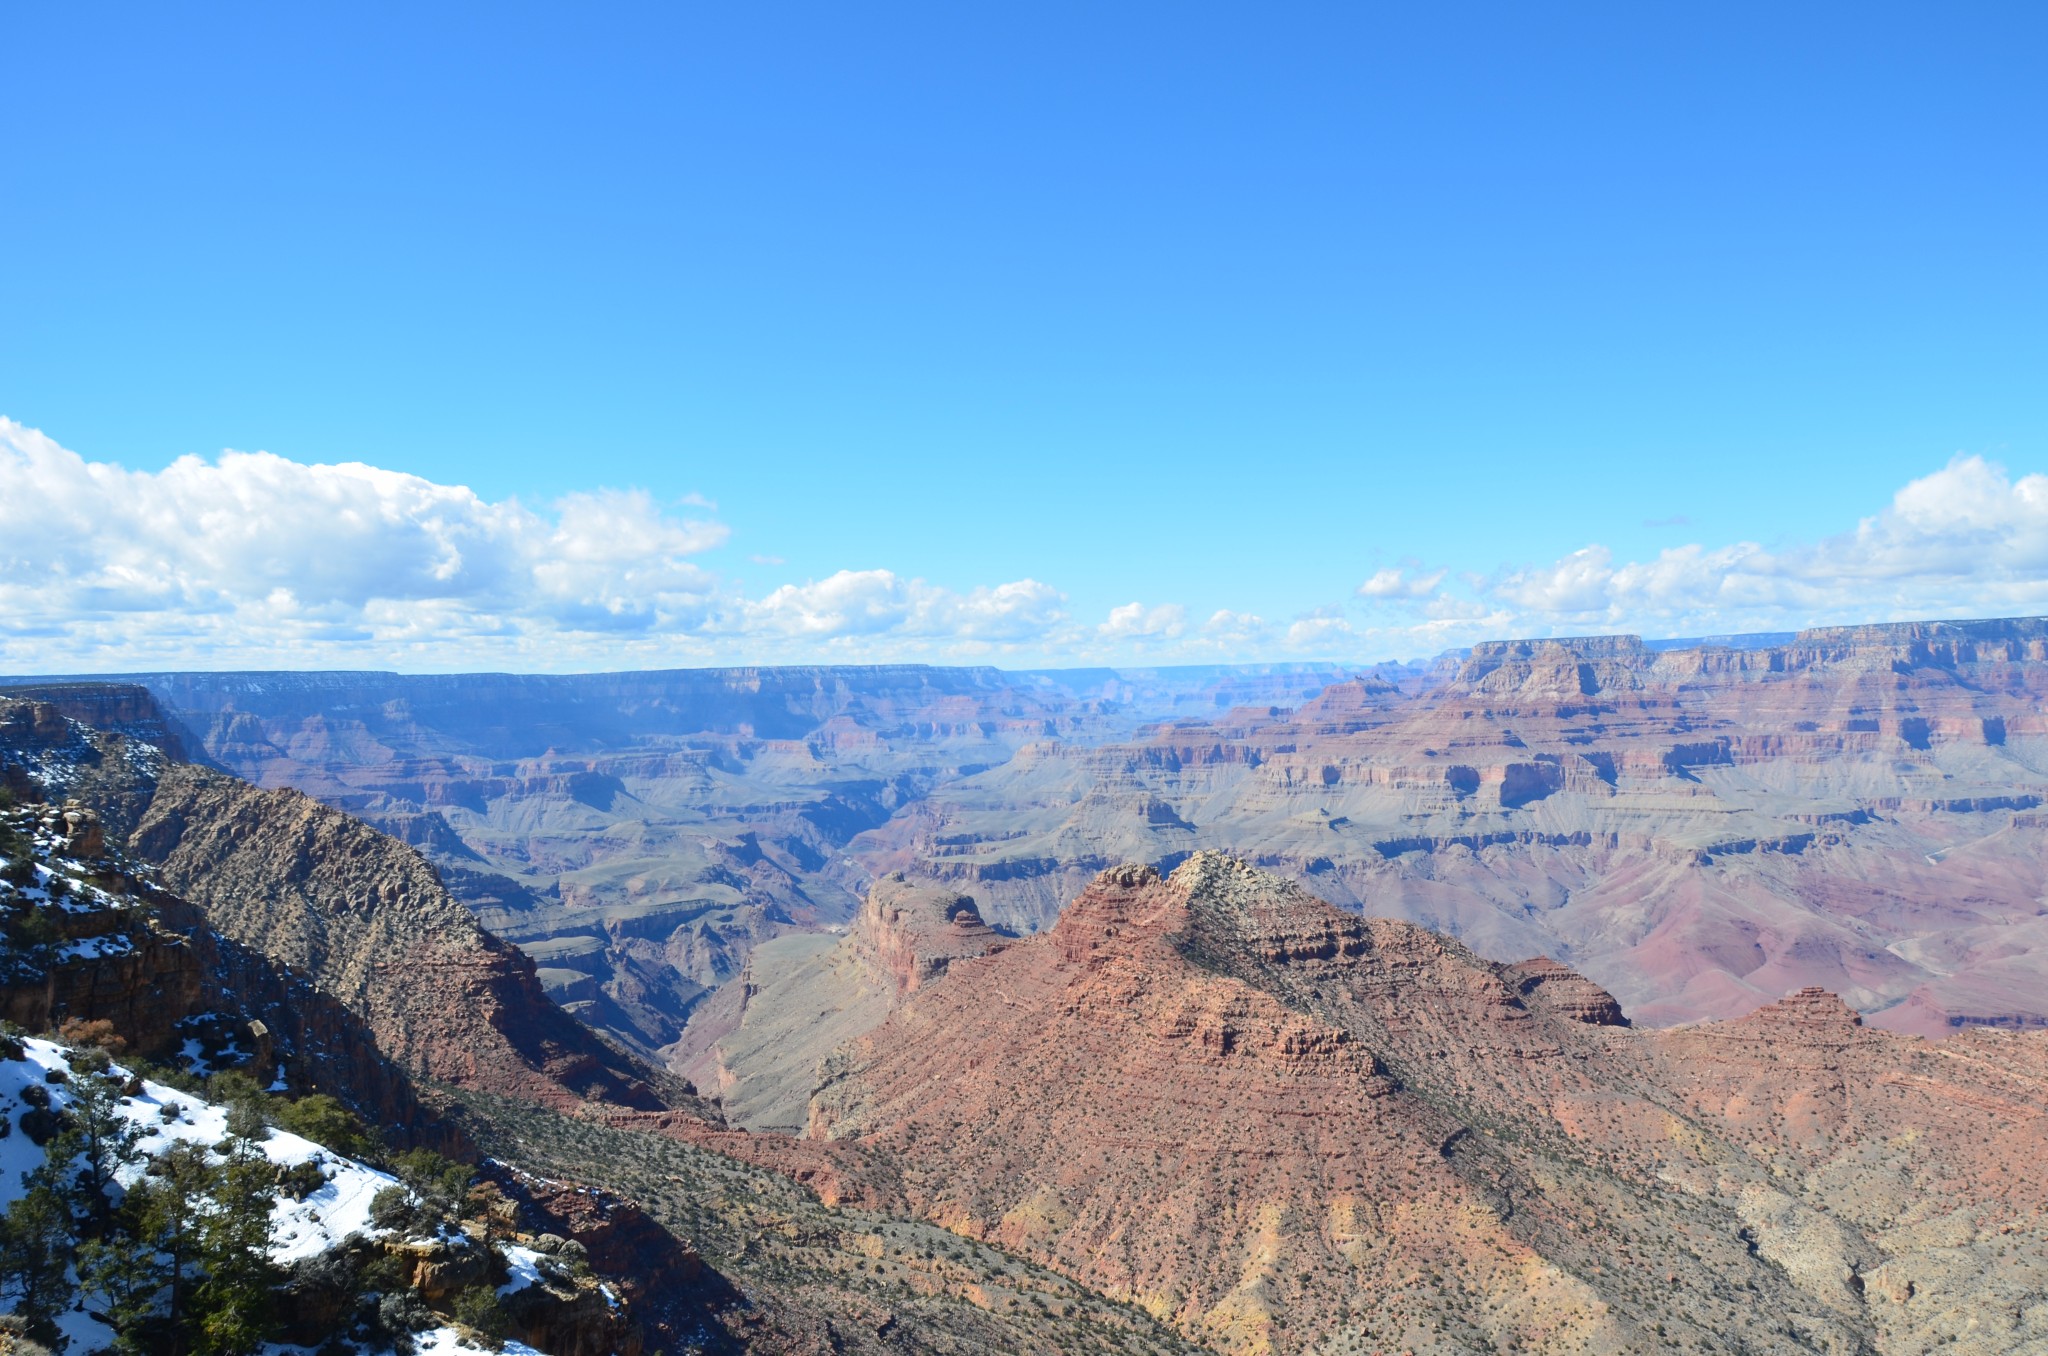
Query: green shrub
[392, 1208]
[301, 1180]
[477, 1308]
[401, 1313]
[232, 1088]
[441, 1182]
[324, 1121]
[387, 1273]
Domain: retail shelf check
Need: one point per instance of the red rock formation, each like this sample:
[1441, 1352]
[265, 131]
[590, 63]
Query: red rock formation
[757, 1043]
[1699, 830]
[911, 933]
[1282, 1126]
[369, 921]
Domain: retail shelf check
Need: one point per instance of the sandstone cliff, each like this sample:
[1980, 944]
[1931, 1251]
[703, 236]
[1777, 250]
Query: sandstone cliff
[1697, 828]
[1283, 1127]
[369, 920]
[758, 1044]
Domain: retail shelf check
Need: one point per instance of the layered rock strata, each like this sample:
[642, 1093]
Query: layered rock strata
[1284, 1127]
[1698, 829]
[758, 1044]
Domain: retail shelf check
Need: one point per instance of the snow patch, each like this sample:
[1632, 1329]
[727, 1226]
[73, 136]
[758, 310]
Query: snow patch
[299, 1229]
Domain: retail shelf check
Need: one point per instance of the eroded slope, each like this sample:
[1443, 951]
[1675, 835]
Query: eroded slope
[1283, 1127]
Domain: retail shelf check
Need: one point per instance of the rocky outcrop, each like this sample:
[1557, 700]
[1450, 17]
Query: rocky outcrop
[912, 932]
[661, 1277]
[128, 709]
[1284, 1127]
[367, 919]
[1699, 827]
[312, 916]
[758, 1044]
[1544, 984]
[121, 950]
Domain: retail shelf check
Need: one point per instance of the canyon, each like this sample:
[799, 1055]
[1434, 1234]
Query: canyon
[1282, 1127]
[1698, 826]
[173, 910]
[1699, 830]
[1220, 1106]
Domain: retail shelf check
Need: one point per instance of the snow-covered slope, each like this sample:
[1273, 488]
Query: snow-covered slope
[325, 1218]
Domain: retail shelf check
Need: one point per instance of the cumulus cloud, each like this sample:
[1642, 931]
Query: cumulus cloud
[253, 558]
[875, 602]
[1319, 633]
[1226, 624]
[1396, 583]
[1967, 540]
[1135, 621]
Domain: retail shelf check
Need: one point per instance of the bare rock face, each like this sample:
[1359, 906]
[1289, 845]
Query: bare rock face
[368, 919]
[661, 1277]
[1697, 829]
[911, 933]
[118, 708]
[143, 960]
[758, 1043]
[1283, 1127]
[1548, 986]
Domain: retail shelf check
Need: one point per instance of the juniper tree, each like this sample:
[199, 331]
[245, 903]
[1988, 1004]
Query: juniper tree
[101, 1138]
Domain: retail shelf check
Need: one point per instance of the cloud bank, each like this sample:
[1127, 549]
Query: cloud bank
[1968, 540]
[251, 558]
[254, 560]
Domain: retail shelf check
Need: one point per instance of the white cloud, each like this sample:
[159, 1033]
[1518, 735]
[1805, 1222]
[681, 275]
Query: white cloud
[1135, 621]
[1578, 583]
[251, 558]
[1968, 540]
[1319, 633]
[875, 602]
[271, 540]
[1225, 625]
[1395, 583]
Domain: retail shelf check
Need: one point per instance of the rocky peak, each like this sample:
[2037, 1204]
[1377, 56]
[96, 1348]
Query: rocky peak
[1237, 913]
[911, 931]
[1808, 1008]
[34, 725]
[1118, 901]
[1362, 1123]
[116, 708]
[1490, 653]
[1562, 669]
[1553, 987]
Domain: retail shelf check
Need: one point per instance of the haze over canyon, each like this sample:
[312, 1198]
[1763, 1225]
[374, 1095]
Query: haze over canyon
[1562, 995]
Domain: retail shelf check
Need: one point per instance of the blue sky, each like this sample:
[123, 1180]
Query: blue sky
[1054, 334]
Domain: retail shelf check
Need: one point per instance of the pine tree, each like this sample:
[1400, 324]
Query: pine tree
[36, 1248]
[325, 1121]
[233, 1310]
[100, 1137]
[140, 1273]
